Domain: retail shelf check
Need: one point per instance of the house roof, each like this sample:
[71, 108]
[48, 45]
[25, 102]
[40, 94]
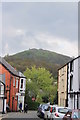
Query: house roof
[9, 67]
[68, 62]
[21, 75]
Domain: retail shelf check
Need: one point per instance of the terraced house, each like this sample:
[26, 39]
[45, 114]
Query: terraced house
[74, 83]
[69, 84]
[22, 87]
[9, 86]
[2, 93]
[62, 86]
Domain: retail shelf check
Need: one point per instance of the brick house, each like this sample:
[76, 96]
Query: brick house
[11, 81]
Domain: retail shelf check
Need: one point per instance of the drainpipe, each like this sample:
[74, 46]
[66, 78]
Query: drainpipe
[3, 100]
[3, 106]
[10, 89]
[74, 100]
[67, 89]
[77, 100]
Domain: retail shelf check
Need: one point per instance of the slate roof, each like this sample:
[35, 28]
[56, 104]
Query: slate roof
[21, 75]
[9, 67]
[69, 62]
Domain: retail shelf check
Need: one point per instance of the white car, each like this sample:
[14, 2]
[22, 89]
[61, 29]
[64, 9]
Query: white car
[58, 112]
[48, 112]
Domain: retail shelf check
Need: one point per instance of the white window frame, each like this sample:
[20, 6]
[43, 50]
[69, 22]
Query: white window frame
[16, 83]
[22, 84]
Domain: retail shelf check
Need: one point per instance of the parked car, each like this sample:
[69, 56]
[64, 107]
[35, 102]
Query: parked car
[48, 112]
[41, 110]
[71, 115]
[58, 112]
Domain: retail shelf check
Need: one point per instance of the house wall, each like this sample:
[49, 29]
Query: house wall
[21, 99]
[24, 85]
[79, 77]
[1, 105]
[22, 92]
[2, 94]
[9, 79]
[72, 102]
[62, 86]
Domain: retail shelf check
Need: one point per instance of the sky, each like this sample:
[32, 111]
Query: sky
[51, 26]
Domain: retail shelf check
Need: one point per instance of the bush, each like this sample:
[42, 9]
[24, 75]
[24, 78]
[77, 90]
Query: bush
[32, 105]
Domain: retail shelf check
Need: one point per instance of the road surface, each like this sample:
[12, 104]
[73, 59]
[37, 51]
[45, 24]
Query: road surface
[21, 116]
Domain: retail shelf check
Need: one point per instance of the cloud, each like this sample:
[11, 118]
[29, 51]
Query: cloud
[40, 25]
[60, 45]
[56, 18]
[40, 40]
[13, 32]
[40, 0]
[1, 29]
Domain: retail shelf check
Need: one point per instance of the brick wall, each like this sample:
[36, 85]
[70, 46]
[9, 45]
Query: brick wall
[11, 90]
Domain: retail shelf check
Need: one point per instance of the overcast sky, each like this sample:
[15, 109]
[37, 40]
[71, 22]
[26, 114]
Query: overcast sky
[50, 26]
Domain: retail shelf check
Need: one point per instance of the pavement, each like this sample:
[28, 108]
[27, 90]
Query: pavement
[17, 115]
[1, 116]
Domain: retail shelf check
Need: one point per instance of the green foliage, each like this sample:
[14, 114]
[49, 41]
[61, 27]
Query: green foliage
[39, 98]
[40, 58]
[32, 105]
[40, 84]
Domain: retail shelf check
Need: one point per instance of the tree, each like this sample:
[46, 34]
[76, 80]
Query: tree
[40, 84]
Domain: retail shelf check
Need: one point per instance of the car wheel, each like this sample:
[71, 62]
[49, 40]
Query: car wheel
[47, 118]
[51, 118]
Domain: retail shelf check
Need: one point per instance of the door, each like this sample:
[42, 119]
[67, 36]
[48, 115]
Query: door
[13, 104]
[1, 105]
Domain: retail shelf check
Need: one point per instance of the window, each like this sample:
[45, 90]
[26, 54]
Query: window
[16, 83]
[71, 83]
[71, 66]
[71, 95]
[21, 83]
[79, 84]
[0, 88]
[2, 78]
[63, 110]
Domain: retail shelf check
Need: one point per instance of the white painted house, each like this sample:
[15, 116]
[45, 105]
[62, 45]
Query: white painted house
[2, 94]
[73, 77]
[22, 88]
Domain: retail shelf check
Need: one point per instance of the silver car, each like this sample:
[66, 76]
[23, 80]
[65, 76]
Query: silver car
[58, 112]
[48, 112]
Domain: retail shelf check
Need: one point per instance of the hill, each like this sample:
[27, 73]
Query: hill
[39, 57]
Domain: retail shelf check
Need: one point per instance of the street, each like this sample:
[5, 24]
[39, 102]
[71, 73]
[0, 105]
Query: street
[18, 115]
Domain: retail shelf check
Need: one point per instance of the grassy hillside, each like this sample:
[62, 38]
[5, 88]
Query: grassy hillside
[41, 58]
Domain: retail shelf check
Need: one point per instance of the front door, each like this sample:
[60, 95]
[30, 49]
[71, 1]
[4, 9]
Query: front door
[13, 104]
[1, 105]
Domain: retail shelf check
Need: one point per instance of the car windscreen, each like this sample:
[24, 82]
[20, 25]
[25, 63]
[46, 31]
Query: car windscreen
[40, 105]
[44, 107]
[63, 110]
